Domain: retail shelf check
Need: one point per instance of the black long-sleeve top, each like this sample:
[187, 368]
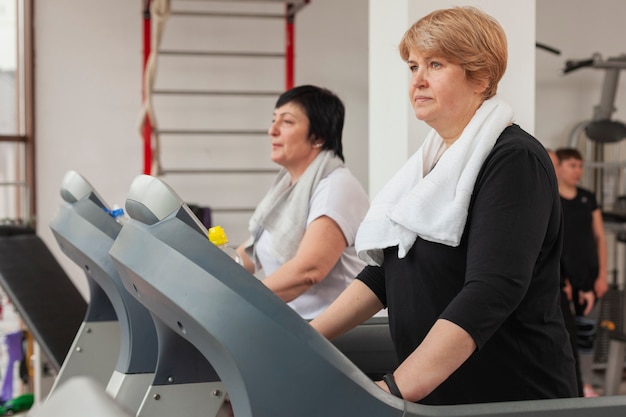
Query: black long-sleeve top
[501, 284]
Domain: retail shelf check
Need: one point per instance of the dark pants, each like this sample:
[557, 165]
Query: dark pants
[570, 325]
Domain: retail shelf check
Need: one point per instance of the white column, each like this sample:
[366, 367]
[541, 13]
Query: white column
[394, 133]
[388, 94]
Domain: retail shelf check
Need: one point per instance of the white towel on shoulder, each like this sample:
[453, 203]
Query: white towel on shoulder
[284, 209]
[432, 206]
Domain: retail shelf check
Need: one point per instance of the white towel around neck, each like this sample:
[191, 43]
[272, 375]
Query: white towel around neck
[284, 209]
[432, 206]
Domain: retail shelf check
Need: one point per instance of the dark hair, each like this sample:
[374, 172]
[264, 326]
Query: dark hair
[568, 153]
[325, 112]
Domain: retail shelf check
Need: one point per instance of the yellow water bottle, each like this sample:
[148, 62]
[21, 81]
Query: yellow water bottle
[218, 237]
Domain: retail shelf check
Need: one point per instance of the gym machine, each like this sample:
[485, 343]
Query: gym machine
[271, 362]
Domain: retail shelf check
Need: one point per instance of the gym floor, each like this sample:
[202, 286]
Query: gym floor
[598, 382]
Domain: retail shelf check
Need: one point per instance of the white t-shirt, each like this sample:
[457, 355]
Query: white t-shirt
[341, 197]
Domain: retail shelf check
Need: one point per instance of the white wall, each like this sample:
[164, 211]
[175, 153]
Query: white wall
[390, 119]
[88, 90]
[578, 29]
[332, 42]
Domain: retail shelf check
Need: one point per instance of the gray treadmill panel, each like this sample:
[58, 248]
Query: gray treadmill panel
[85, 233]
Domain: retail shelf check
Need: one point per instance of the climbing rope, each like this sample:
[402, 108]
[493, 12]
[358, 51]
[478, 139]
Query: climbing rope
[160, 11]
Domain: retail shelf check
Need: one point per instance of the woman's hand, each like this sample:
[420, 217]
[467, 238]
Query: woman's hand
[588, 299]
[567, 289]
[601, 286]
[248, 263]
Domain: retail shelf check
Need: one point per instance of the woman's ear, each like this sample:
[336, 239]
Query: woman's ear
[481, 86]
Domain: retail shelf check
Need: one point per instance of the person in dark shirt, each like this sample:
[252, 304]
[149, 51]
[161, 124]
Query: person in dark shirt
[566, 305]
[583, 259]
[463, 244]
[583, 262]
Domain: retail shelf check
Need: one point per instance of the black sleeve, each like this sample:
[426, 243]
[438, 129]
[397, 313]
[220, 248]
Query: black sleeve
[507, 223]
[374, 278]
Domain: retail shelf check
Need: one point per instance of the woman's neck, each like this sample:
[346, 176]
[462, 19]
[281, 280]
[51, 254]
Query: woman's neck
[296, 171]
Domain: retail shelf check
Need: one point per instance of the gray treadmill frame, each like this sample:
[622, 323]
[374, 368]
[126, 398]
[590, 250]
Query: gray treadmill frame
[270, 360]
[120, 349]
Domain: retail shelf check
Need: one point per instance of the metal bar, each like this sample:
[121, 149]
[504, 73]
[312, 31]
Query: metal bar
[606, 107]
[223, 54]
[146, 128]
[232, 209]
[616, 63]
[300, 2]
[227, 14]
[220, 171]
[605, 164]
[289, 46]
[298, 5]
[215, 93]
[30, 166]
[13, 184]
[291, 10]
[210, 132]
[13, 138]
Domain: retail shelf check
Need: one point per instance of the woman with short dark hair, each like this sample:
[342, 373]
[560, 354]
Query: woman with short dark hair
[303, 231]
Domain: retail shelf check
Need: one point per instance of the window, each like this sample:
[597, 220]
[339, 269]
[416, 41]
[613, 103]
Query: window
[8, 66]
[17, 202]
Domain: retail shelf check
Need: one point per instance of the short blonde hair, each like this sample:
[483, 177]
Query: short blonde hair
[464, 36]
